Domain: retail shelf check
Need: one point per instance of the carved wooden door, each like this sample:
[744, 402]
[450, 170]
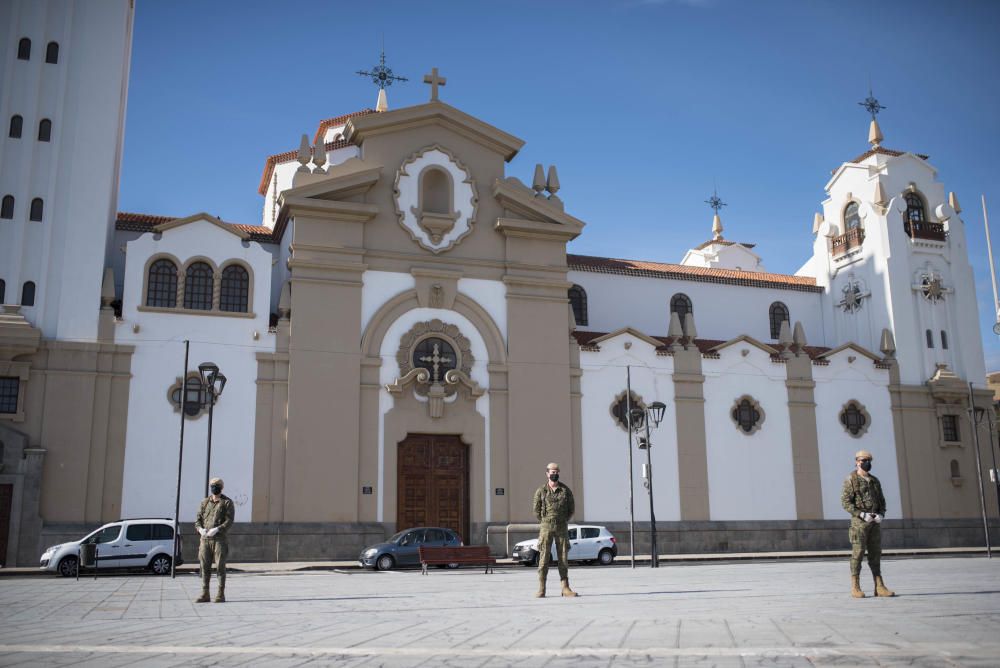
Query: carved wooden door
[433, 479]
[6, 494]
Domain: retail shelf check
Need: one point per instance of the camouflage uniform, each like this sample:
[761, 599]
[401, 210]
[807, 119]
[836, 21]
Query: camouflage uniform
[863, 494]
[553, 508]
[213, 514]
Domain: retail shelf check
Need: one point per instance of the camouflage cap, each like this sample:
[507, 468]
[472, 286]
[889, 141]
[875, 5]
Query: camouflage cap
[552, 465]
[863, 454]
[217, 481]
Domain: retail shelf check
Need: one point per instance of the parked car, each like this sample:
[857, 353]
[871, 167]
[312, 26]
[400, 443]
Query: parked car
[132, 543]
[403, 548]
[586, 543]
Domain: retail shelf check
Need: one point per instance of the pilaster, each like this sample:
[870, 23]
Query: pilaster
[692, 447]
[805, 439]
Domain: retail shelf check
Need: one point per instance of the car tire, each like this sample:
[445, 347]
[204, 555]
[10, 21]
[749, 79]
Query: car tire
[160, 565]
[605, 557]
[534, 560]
[384, 563]
[68, 566]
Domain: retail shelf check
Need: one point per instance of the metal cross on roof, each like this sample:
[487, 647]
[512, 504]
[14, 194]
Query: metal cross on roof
[871, 104]
[714, 202]
[381, 75]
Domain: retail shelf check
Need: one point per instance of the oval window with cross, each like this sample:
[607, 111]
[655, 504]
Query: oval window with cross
[436, 355]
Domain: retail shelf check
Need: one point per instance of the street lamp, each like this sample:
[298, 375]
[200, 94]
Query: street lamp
[641, 418]
[213, 382]
[976, 414]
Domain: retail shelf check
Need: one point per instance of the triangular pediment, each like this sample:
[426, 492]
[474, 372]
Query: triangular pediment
[744, 338]
[202, 218]
[528, 215]
[350, 178]
[849, 347]
[627, 331]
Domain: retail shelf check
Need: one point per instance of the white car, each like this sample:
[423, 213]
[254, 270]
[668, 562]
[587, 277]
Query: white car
[586, 543]
[133, 543]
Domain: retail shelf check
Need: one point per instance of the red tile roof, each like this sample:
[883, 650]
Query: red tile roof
[585, 340]
[145, 222]
[884, 151]
[328, 123]
[750, 279]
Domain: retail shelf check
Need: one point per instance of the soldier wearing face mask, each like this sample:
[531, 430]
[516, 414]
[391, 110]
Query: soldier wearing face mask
[553, 507]
[215, 515]
[862, 497]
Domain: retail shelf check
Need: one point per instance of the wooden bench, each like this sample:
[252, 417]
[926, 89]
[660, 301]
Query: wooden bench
[467, 554]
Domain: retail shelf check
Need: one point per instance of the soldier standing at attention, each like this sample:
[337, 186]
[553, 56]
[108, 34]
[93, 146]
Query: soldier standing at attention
[553, 506]
[215, 516]
[862, 497]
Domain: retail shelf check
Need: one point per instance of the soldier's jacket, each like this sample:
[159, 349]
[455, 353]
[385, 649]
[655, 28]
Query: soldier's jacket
[554, 506]
[216, 514]
[862, 495]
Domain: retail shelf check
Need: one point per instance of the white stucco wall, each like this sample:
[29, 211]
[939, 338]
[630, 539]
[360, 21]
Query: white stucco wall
[152, 435]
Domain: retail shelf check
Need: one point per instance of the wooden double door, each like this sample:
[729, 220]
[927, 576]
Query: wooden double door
[433, 480]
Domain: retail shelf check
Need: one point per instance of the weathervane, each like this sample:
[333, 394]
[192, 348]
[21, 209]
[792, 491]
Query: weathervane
[714, 202]
[381, 75]
[871, 104]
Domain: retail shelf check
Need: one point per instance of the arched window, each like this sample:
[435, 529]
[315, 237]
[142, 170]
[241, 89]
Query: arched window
[24, 49]
[930, 338]
[235, 289]
[16, 124]
[7, 207]
[37, 209]
[52, 53]
[914, 208]
[852, 216]
[3, 290]
[778, 314]
[578, 300]
[681, 305]
[28, 294]
[956, 471]
[198, 287]
[435, 191]
[161, 284]
[45, 130]
[944, 340]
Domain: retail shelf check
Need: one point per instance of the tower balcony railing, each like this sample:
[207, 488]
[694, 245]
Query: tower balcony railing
[848, 241]
[925, 230]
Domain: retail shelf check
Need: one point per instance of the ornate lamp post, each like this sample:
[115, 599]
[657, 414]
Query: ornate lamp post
[641, 418]
[213, 382]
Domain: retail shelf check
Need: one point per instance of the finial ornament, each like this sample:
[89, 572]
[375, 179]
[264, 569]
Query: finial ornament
[716, 204]
[434, 80]
[538, 182]
[872, 106]
[381, 75]
[305, 155]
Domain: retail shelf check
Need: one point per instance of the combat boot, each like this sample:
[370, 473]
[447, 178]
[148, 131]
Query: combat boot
[566, 591]
[881, 589]
[541, 587]
[856, 587]
[221, 596]
[204, 598]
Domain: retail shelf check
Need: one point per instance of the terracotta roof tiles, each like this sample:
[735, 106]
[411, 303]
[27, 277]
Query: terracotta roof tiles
[145, 222]
[705, 346]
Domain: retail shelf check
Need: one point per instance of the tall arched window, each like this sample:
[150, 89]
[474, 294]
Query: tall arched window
[24, 49]
[161, 284]
[45, 130]
[3, 290]
[52, 53]
[16, 124]
[28, 294]
[944, 340]
[7, 207]
[37, 209]
[578, 300]
[930, 338]
[235, 289]
[778, 314]
[681, 305]
[914, 208]
[198, 287]
[852, 216]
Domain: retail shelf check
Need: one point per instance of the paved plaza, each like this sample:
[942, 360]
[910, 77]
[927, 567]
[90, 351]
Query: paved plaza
[774, 613]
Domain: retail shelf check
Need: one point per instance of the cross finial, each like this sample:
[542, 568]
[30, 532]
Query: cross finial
[714, 202]
[381, 75]
[434, 80]
[871, 105]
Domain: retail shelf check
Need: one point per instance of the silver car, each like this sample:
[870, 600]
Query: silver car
[133, 543]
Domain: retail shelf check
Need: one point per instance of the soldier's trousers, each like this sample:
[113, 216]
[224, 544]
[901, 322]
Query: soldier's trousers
[546, 536]
[866, 538]
[212, 551]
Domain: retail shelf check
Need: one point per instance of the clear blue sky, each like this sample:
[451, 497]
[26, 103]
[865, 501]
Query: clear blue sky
[642, 104]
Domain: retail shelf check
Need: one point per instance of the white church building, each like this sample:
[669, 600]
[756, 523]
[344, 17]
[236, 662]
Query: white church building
[407, 338]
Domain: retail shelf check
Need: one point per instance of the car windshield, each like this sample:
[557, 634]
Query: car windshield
[395, 538]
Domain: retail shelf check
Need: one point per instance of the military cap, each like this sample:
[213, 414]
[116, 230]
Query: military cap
[218, 481]
[863, 454]
[552, 465]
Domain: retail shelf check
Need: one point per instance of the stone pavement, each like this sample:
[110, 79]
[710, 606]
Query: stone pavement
[788, 613]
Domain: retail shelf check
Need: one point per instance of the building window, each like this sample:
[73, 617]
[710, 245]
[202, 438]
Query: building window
[944, 340]
[45, 130]
[28, 294]
[914, 208]
[852, 217]
[235, 289]
[52, 53]
[195, 400]
[198, 287]
[16, 124]
[161, 286]
[578, 300]
[621, 405]
[949, 427]
[778, 314]
[9, 387]
[37, 209]
[747, 414]
[436, 355]
[3, 290]
[24, 49]
[929, 335]
[854, 418]
[7, 208]
[681, 305]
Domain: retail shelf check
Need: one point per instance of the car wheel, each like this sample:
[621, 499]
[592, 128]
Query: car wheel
[384, 563]
[67, 567]
[160, 565]
[605, 557]
[534, 560]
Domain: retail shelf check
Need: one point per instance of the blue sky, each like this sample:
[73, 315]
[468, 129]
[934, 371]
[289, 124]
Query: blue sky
[643, 105]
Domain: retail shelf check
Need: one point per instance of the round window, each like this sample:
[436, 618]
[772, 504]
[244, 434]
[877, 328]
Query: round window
[436, 355]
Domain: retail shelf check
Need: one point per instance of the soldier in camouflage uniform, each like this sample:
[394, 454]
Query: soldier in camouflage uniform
[553, 507]
[215, 515]
[862, 497]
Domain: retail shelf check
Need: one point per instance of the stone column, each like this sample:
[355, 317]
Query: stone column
[805, 440]
[692, 449]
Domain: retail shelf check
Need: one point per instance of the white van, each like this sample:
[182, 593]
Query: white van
[133, 543]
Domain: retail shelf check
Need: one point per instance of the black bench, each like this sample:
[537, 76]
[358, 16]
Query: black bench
[466, 554]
